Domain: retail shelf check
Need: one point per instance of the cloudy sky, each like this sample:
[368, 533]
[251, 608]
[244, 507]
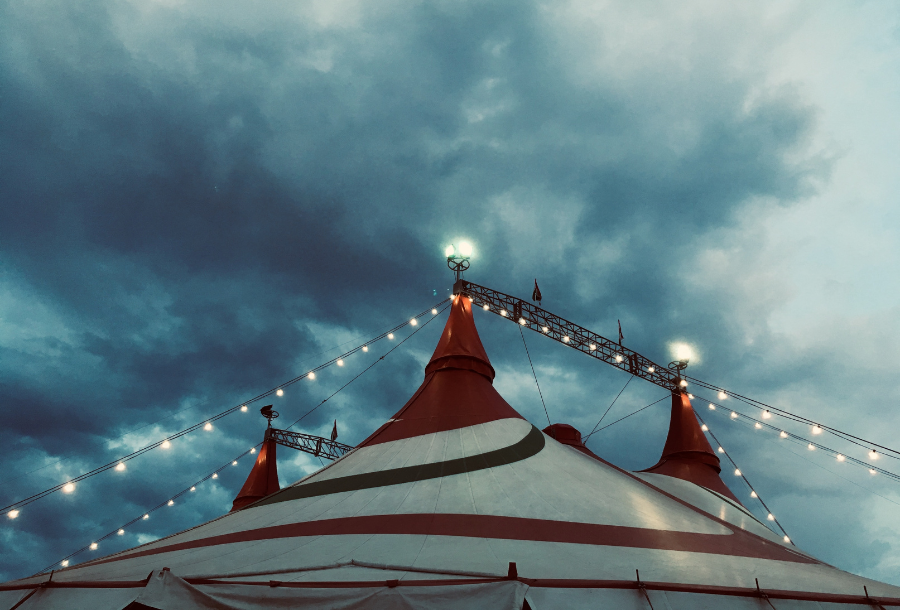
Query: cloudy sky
[200, 200]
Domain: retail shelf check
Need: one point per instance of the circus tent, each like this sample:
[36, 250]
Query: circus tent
[458, 501]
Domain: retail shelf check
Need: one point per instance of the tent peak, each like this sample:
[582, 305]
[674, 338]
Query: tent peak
[460, 346]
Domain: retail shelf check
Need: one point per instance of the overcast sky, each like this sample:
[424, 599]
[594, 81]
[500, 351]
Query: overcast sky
[200, 200]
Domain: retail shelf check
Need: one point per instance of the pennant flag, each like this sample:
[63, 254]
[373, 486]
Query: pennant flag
[334, 431]
[621, 336]
[536, 295]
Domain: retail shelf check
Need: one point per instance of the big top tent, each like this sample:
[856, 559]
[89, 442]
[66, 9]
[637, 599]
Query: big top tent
[458, 502]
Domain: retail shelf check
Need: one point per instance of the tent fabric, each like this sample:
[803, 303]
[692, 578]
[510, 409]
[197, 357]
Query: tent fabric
[459, 492]
[263, 478]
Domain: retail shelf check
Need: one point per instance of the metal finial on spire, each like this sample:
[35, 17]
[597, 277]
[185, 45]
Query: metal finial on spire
[269, 414]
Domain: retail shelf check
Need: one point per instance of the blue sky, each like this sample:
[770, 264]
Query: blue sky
[199, 199]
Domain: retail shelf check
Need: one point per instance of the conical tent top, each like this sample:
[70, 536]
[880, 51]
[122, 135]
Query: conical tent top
[459, 346]
[263, 479]
[687, 454]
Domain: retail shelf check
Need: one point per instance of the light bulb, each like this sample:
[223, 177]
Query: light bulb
[545, 329]
[872, 471]
[593, 347]
[766, 414]
[193, 488]
[68, 487]
[434, 312]
[504, 313]
[722, 395]
[234, 463]
[816, 429]
[391, 336]
[146, 516]
[566, 339]
[486, 307]
[166, 444]
[465, 248]
[683, 383]
[215, 475]
[691, 396]
[93, 546]
[413, 322]
[873, 455]
[783, 434]
[786, 539]
[365, 348]
[734, 415]
[737, 472]
[279, 392]
[704, 427]
[771, 517]
[121, 532]
[811, 447]
[712, 407]
[758, 425]
[252, 449]
[207, 427]
[523, 321]
[171, 502]
[340, 362]
[753, 494]
[619, 358]
[12, 514]
[840, 457]
[449, 251]
[64, 563]
[721, 450]
[120, 466]
[312, 375]
[651, 369]
[244, 409]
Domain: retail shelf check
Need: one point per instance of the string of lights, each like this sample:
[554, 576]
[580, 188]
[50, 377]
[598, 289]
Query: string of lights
[170, 501]
[13, 510]
[809, 443]
[740, 473]
[768, 409]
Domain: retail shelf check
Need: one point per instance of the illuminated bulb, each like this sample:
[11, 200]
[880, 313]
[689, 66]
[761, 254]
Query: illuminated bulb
[120, 466]
[753, 494]
[811, 447]
[734, 415]
[771, 517]
[365, 348]
[503, 313]
[704, 427]
[722, 395]
[193, 488]
[413, 322]
[93, 546]
[758, 425]
[840, 457]
[171, 502]
[691, 396]
[486, 307]
[873, 455]
[786, 539]
[252, 449]
[593, 347]
[207, 427]
[651, 369]
[721, 450]
[68, 488]
[146, 516]
[391, 336]
[816, 429]
[523, 321]
[783, 434]
[465, 248]
[215, 475]
[64, 563]
[712, 407]
[234, 463]
[434, 312]
[566, 339]
[340, 362]
[12, 514]
[683, 383]
[619, 358]
[311, 375]
[279, 392]
[737, 472]
[766, 414]
[872, 471]
[449, 251]
[121, 532]
[166, 444]
[545, 329]
[244, 409]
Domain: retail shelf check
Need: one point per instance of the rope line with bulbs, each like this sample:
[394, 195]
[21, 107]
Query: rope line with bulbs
[13, 510]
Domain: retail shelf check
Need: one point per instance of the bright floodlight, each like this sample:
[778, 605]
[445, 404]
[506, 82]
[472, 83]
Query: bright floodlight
[449, 251]
[683, 352]
[465, 248]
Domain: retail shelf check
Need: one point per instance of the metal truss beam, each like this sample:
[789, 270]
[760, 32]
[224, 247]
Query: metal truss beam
[569, 334]
[314, 445]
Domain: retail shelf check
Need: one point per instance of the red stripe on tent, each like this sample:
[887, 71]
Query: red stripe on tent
[504, 528]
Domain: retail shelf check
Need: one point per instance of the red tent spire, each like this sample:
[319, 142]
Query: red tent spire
[263, 479]
[687, 454]
[457, 391]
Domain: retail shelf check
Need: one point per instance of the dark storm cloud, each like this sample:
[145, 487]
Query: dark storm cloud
[190, 207]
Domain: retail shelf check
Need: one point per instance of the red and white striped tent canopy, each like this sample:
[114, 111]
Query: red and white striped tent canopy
[459, 502]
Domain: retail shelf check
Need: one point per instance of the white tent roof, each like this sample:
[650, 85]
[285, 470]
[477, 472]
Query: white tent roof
[430, 511]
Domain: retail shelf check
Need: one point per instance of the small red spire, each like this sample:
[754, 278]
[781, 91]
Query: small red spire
[460, 346]
[263, 479]
[568, 435]
[687, 454]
